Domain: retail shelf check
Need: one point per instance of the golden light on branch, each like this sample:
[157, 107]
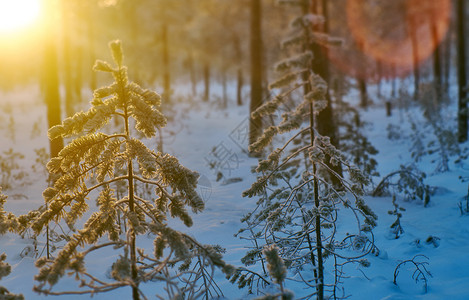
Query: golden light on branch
[18, 14]
[386, 33]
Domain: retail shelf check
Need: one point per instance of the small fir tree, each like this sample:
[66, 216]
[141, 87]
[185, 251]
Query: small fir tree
[464, 207]
[396, 227]
[12, 173]
[434, 136]
[353, 142]
[99, 165]
[8, 221]
[408, 181]
[298, 195]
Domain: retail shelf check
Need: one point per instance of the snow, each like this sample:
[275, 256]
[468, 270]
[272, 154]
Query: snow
[206, 130]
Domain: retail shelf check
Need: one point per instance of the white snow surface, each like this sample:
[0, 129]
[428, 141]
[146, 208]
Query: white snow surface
[202, 126]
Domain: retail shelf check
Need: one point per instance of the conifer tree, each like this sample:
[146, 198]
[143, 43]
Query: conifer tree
[9, 223]
[298, 205]
[5, 270]
[15, 224]
[93, 165]
[353, 142]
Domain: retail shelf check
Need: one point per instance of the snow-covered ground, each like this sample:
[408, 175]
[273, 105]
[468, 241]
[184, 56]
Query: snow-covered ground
[204, 134]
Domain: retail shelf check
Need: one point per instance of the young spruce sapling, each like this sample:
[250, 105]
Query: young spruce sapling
[90, 166]
[298, 194]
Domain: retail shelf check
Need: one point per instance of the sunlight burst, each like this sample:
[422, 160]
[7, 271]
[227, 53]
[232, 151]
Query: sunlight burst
[18, 14]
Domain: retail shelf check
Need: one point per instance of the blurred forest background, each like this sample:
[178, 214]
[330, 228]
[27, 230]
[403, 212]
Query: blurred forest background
[205, 42]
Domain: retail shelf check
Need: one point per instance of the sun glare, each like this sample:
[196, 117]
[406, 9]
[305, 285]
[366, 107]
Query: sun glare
[18, 14]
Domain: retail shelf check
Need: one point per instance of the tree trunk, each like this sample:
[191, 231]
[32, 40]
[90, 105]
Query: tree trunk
[78, 73]
[379, 75]
[324, 127]
[224, 88]
[67, 60]
[326, 124]
[255, 125]
[362, 83]
[462, 83]
[51, 92]
[317, 271]
[447, 58]
[363, 93]
[166, 71]
[394, 79]
[92, 56]
[436, 55]
[415, 56]
[319, 254]
[239, 88]
[240, 79]
[206, 81]
[131, 235]
[190, 66]
[388, 108]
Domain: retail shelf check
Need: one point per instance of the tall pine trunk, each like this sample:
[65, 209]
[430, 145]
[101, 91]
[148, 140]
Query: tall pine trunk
[363, 93]
[52, 99]
[462, 82]
[191, 67]
[51, 89]
[206, 81]
[415, 56]
[165, 55]
[255, 125]
[379, 76]
[436, 54]
[447, 57]
[224, 87]
[78, 82]
[394, 81]
[239, 87]
[325, 119]
[239, 72]
[67, 60]
[92, 56]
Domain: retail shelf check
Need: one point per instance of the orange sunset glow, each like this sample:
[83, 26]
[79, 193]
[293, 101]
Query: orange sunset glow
[400, 33]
